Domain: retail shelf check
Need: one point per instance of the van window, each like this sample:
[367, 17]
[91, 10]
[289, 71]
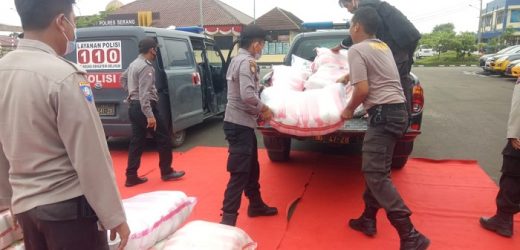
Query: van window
[305, 48]
[178, 53]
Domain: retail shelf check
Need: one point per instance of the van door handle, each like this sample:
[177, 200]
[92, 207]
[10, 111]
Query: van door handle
[195, 79]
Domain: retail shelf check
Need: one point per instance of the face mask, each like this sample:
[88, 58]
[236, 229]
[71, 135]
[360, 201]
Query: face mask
[71, 45]
[258, 55]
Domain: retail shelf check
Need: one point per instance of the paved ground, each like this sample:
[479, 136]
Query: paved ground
[465, 118]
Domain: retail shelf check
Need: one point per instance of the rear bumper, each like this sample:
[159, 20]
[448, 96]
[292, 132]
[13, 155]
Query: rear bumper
[118, 130]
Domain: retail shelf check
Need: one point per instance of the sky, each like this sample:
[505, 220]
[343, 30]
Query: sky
[425, 14]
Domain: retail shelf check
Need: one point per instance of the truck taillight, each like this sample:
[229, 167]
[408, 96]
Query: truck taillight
[417, 99]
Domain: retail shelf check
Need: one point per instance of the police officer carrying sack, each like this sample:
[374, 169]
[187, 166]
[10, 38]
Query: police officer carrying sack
[508, 197]
[243, 109]
[139, 81]
[376, 84]
[56, 173]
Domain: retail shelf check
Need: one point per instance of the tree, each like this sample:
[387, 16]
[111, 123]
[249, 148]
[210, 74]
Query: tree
[88, 21]
[464, 44]
[507, 35]
[447, 27]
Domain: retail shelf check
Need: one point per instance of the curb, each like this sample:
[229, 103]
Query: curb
[442, 65]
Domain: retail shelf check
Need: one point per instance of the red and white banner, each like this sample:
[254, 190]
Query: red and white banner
[99, 55]
[223, 30]
[109, 80]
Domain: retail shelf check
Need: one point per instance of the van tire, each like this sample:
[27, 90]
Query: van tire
[399, 162]
[402, 151]
[278, 148]
[178, 138]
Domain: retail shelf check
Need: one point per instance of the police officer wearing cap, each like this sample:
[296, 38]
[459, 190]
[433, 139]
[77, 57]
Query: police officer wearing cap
[243, 109]
[139, 81]
[56, 173]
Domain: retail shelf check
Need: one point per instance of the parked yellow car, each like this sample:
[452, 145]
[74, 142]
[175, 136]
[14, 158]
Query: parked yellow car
[515, 70]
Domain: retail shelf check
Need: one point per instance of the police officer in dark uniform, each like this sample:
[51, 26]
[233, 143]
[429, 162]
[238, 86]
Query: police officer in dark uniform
[397, 32]
[508, 197]
[139, 81]
[243, 109]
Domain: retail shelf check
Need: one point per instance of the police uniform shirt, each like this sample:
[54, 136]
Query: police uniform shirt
[244, 104]
[52, 144]
[513, 126]
[139, 80]
[372, 61]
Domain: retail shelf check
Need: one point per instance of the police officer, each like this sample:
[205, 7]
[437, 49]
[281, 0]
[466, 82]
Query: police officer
[397, 32]
[55, 168]
[508, 198]
[376, 85]
[243, 109]
[139, 81]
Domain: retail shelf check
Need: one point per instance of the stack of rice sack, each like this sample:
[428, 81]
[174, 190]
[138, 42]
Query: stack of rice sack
[305, 98]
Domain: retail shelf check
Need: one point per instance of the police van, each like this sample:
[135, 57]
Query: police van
[190, 75]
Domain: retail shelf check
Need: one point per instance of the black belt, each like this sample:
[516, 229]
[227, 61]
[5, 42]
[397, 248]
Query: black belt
[385, 107]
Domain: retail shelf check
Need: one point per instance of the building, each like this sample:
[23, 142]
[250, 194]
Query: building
[499, 15]
[283, 26]
[218, 19]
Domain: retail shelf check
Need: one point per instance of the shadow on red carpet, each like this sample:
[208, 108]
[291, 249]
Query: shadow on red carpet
[446, 197]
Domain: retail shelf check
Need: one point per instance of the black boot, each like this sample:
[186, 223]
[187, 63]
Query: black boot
[366, 223]
[257, 207]
[411, 239]
[134, 180]
[501, 223]
[173, 176]
[229, 219]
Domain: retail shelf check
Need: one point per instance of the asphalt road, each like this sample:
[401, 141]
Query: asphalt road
[465, 117]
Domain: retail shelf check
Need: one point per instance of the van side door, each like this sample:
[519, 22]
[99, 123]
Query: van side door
[184, 89]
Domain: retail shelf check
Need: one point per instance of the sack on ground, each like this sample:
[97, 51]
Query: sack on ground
[203, 235]
[154, 216]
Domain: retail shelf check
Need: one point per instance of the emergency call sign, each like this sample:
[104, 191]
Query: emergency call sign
[99, 55]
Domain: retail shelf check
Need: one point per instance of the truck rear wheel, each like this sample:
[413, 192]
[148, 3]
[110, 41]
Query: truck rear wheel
[178, 138]
[402, 151]
[278, 148]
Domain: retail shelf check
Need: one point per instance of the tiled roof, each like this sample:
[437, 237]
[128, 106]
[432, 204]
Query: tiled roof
[279, 19]
[187, 12]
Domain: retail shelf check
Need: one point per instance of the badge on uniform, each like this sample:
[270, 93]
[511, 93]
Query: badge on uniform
[86, 90]
[252, 66]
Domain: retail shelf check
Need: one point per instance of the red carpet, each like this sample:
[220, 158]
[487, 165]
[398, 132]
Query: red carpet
[447, 198]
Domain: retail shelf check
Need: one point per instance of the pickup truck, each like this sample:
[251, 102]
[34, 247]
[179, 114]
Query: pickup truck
[278, 144]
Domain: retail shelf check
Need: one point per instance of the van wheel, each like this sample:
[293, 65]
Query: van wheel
[399, 162]
[178, 138]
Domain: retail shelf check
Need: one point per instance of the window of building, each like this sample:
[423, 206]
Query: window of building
[178, 53]
[515, 16]
[499, 18]
[224, 42]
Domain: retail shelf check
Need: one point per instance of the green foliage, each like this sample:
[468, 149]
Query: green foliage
[446, 27]
[443, 38]
[448, 58]
[88, 21]
[507, 36]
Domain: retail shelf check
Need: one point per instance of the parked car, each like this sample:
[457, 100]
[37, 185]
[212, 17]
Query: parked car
[190, 75]
[509, 69]
[484, 58]
[424, 52]
[501, 63]
[278, 144]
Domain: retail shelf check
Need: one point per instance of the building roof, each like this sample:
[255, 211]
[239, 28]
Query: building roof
[187, 12]
[9, 28]
[279, 19]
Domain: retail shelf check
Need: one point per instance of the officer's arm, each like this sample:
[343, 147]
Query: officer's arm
[358, 78]
[124, 80]
[146, 81]
[248, 91]
[513, 124]
[5, 188]
[81, 132]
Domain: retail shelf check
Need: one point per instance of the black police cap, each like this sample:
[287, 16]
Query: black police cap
[253, 31]
[147, 43]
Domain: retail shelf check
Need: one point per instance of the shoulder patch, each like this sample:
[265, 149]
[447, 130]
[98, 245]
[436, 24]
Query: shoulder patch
[86, 90]
[252, 66]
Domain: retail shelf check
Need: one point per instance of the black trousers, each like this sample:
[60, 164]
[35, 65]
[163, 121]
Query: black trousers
[139, 131]
[387, 123]
[508, 197]
[242, 165]
[65, 225]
